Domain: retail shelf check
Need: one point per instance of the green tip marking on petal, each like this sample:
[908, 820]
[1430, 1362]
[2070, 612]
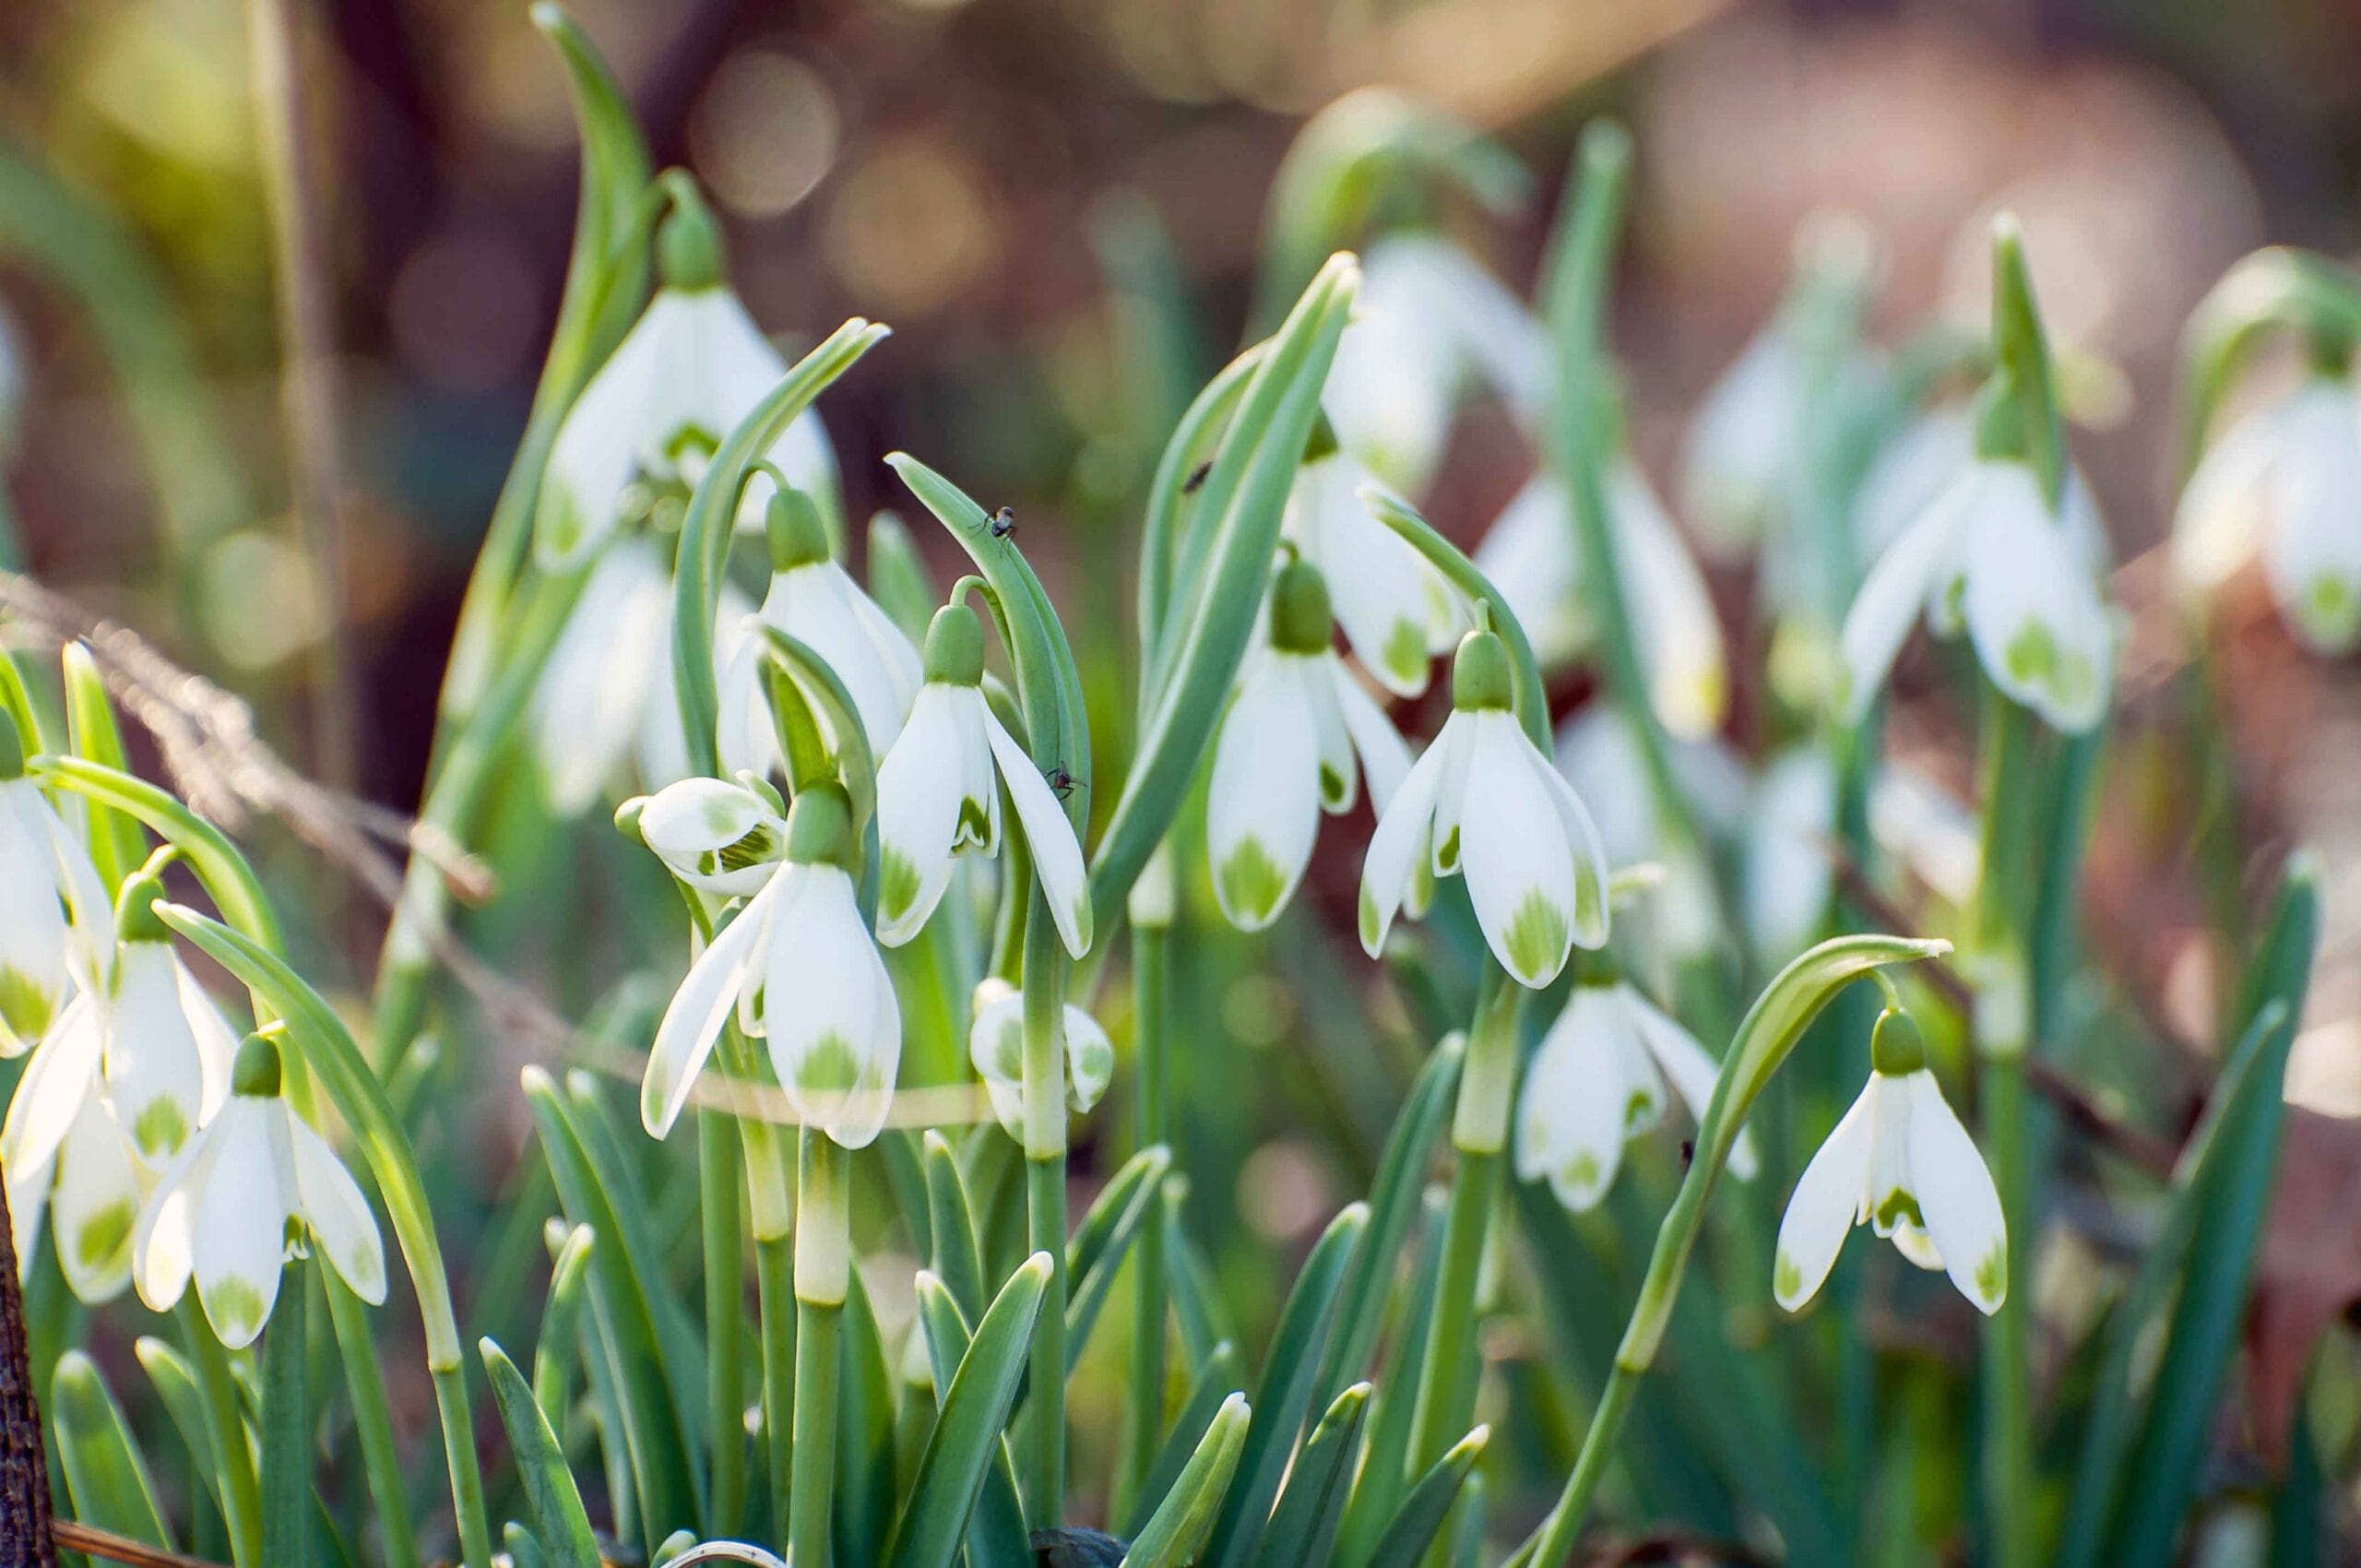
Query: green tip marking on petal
[1992, 1275]
[1251, 882]
[830, 1066]
[1581, 1173]
[561, 520]
[1639, 1112]
[2330, 609]
[2031, 655]
[1368, 917]
[897, 883]
[1404, 654]
[975, 824]
[1447, 854]
[234, 1307]
[105, 1233]
[160, 1129]
[1332, 786]
[1787, 1279]
[24, 1006]
[1898, 1207]
[1535, 939]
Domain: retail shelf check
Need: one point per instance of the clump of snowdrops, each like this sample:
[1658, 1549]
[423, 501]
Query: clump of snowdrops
[825, 1298]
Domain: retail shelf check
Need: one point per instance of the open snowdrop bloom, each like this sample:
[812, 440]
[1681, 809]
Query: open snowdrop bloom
[1900, 1162]
[937, 796]
[1599, 1080]
[996, 1046]
[167, 1050]
[241, 1198]
[1485, 802]
[54, 917]
[61, 1150]
[689, 370]
[1992, 553]
[1396, 613]
[2282, 481]
[815, 602]
[835, 1035]
[1532, 553]
[1294, 743]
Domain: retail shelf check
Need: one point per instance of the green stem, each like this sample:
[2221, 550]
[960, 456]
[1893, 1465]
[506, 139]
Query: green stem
[364, 1383]
[285, 1430]
[720, 1196]
[240, 1495]
[775, 1280]
[1152, 1029]
[822, 1263]
[1045, 1208]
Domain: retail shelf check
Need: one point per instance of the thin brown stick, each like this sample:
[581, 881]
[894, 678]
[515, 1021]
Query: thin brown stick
[92, 1541]
[24, 1457]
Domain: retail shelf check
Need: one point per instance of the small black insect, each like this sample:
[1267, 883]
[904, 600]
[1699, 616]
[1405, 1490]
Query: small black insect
[1064, 784]
[1196, 480]
[1004, 522]
[1688, 1152]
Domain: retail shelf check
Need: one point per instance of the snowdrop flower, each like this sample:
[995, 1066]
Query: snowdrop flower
[1485, 800]
[692, 366]
[1600, 757]
[1599, 1080]
[1993, 554]
[937, 796]
[167, 1050]
[1294, 741]
[996, 1046]
[1900, 1162]
[55, 917]
[814, 600]
[1910, 473]
[62, 1150]
[717, 836]
[1396, 613]
[238, 1202]
[1532, 553]
[1737, 461]
[835, 1038]
[2281, 482]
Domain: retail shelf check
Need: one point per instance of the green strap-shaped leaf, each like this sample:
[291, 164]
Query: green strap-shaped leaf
[106, 1476]
[967, 1432]
[1283, 1395]
[1177, 1530]
[286, 1427]
[1104, 1238]
[1421, 1516]
[864, 1514]
[560, 1526]
[1197, 1308]
[955, 1259]
[116, 845]
[561, 1315]
[1378, 1490]
[217, 862]
[1169, 492]
[996, 1534]
[1303, 1533]
[898, 580]
[1217, 1380]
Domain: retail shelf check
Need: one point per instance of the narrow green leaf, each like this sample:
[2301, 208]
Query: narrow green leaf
[106, 1476]
[286, 1427]
[1378, 1490]
[560, 1526]
[996, 1534]
[966, 1433]
[561, 1315]
[116, 845]
[864, 1514]
[184, 1401]
[1283, 1395]
[1095, 1254]
[898, 580]
[1176, 1531]
[1418, 1520]
[1196, 1303]
[1217, 1381]
[956, 1261]
[1302, 1532]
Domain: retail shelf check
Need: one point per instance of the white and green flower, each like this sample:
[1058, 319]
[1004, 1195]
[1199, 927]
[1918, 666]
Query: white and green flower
[2282, 482]
[835, 1035]
[55, 920]
[1600, 1079]
[1993, 555]
[937, 796]
[1900, 1162]
[167, 1050]
[1485, 801]
[717, 835]
[1294, 743]
[1396, 613]
[996, 1046]
[254, 1187]
[67, 1158]
[689, 370]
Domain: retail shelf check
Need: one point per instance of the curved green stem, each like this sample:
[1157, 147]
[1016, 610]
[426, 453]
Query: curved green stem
[822, 1269]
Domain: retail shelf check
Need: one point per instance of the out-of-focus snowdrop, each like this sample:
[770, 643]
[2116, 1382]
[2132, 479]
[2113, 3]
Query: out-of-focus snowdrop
[1397, 614]
[64, 1155]
[1601, 757]
[255, 1187]
[1900, 1162]
[1532, 553]
[1600, 1079]
[55, 920]
[2284, 483]
[1910, 473]
[815, 601]
[996, 1047]
[1484, 800]
[1295, 742]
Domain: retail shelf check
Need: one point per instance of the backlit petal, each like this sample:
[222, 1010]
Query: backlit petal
[1896, 590]
[1262, 803]
[1057, 853]
[2040, 630]
[339, 1214]
[1956, 1195]
[693, 1021]
[1398, 847]
[1519, 864]
[919, 795]
[238, 1224]
[1826, 1200]
[1569, 1126]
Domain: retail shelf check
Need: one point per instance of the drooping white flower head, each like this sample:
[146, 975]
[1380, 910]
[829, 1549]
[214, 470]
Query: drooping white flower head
[718, 836]
[1532, 553]
[606, 691]
[2281, 483]
[1900, 1162]
[61, 1150]
[1599, 1080]
[1486, 802]
[1992, 555]
[1737, 463]
[1910, 473]
[1294, 743]
[240, 1200]
[835, 1034]
[996, 1046]
[689, 370]
[55, 920]
[937, 796]
[1396, 613]
[814, 600]
[167, 1050]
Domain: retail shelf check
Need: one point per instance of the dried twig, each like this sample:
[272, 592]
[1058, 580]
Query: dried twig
[92, 1541]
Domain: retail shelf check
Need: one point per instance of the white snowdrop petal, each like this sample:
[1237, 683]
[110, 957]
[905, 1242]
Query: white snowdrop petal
[153, 1071]
[1519, 863]
[2230, 499]
[1375, 577]
[2039, 628]
[1339, 779]
[1957, 1197]
[595, 685]
[693, 1020]
[162, 1238]
[825, 1044]
[1693, 1071]
[1262, 803]
[1384, 758]
[336, 1210]
[216, 1043]
[1910, 474]
[743, 735]
[602, 439]
[1571, 1125]
[1741, 442]
[700, 817]
[813, 604]
[1587, 856]
[919, 795]
[1887, 1199]
[1823, 1207]
[57, 1081]
[895, 655]
[1674, 623]
[1090, 1059]
[1057, 854]
[1398, 847]
[2311, 547]
[996, 1048]
[1896, 590]
[96, 1205]
[238, 1224]
[1529, 554]
[33, 919]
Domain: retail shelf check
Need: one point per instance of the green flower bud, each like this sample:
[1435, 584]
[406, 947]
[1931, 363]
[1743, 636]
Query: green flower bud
[792, 524]
[1300, 614]
[256, 1072]
[1479, 675]
[819, 827]
[1895, 1047]
[954, 647]
[688, 243]
[627, 818]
